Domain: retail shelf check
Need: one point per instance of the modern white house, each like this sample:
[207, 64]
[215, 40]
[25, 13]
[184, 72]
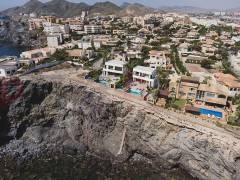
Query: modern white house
[114, 68]
[157, 59]
[144, 74]
[8, 68]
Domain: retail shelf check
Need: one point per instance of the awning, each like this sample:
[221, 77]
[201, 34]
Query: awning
[192, 109]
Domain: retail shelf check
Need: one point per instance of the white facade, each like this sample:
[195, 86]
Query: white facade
[144, 74]
[157, 59]
[92, 29]
[8, 67]
[97, 44]
[54, 40]
[85, 44]
[6, 71]
[114, 67]
[55, 28]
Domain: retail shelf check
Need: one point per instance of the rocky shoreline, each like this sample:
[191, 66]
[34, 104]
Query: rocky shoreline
[41, 117]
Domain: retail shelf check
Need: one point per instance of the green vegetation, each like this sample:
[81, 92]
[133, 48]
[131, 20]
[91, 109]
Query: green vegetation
[203, 31]
[157, 44]
[180, 103]
[60, 55]
[234, 120]
[177, 63]
[163, 78]
[95, 74]
[75, 36]
[176, 103]
[134, 62]
[236, 99]
[225, 62]
[196, 46]
[207, 63]
[220, 29]
[145, 51]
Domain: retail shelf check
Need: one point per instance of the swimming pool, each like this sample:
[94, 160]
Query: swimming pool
[135, 92]
[103, 82]
[211, 112]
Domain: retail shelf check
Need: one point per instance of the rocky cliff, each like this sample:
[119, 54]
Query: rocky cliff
[41, 117]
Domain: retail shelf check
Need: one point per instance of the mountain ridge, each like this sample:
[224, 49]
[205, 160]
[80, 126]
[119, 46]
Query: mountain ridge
[70, 9]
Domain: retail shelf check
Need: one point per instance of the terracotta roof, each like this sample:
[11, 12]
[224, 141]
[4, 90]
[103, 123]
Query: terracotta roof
[227, 80]
[190, 79]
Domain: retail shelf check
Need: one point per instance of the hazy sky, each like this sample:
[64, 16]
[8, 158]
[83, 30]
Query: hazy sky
[220, 4]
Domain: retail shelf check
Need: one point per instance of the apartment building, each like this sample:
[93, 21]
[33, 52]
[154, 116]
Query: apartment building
[54, 40]
[157, 59]
[76, 25]
[212, 94]
[56, 28]
[187, 88]
[145, 75]
[35, 23]
[93, 29]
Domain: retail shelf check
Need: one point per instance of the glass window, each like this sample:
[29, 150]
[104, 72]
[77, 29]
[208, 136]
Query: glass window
[210, 94]
[118, 68]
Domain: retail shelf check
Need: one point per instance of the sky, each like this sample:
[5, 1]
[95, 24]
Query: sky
[212, 4]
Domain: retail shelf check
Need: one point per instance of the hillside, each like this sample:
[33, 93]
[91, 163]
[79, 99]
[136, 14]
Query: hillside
[135, 9]
[63, 8]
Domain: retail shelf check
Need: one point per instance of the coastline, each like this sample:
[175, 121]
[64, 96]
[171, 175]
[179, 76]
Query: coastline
[10, 49]
[75, 118]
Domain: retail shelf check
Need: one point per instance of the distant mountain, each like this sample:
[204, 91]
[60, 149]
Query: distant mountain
[237, 9]
[59, 8]
[105, 8]
[135, 9]
[125, 4]
[63, 8]
[186, 9]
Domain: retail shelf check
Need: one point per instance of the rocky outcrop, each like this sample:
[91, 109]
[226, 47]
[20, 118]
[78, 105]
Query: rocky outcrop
[49, 117]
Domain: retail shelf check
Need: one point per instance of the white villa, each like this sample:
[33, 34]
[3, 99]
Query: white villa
[157, 59]
[114, 68]
[8, 67]
[144, 74]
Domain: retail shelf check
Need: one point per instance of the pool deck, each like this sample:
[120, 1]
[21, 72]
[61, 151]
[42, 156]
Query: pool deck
[224, 113]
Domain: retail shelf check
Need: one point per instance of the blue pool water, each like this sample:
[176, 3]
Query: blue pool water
[211, 112]
[135, 92]
[105, 83]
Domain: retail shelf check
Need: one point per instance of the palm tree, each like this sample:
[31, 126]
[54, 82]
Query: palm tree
[163, 78]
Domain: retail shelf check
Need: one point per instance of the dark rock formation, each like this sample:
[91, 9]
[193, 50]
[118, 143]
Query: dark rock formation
[48, 117]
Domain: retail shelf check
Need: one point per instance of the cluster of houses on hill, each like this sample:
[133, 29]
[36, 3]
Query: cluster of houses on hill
[199, 55]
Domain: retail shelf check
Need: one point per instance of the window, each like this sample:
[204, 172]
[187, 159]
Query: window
[110, 67]
[118, 68]
[8, 72]
[221, 96]
[210, 94]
